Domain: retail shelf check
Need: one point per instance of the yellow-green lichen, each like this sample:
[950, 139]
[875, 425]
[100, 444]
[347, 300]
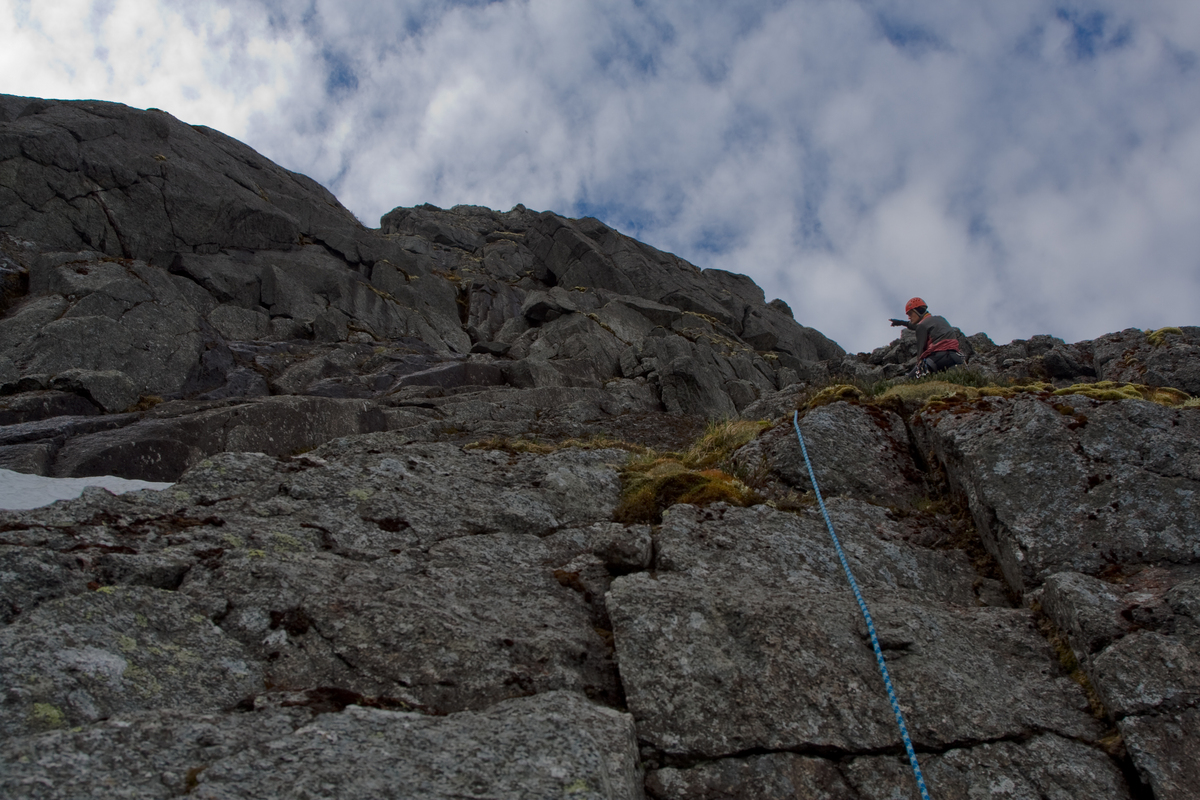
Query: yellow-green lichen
[359, 494]
[127, 644]
[287, 543]
[142, 681]
[47, 717]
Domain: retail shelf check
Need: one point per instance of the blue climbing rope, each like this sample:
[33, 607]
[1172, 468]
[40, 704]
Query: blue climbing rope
[862, 605]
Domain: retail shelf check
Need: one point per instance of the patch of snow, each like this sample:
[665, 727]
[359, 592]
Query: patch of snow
[21, 491]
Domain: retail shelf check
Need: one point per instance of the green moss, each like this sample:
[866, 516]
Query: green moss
[925, 391]
[1113, 390]
[699, 475]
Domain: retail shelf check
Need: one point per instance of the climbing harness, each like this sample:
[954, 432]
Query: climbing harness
[862, 605]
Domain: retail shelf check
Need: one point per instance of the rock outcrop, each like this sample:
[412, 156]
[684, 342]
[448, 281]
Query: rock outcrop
[149, 261]
[397, 558]
[1166, 357]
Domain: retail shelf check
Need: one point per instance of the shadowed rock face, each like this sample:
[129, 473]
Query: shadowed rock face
[338, 598]
[146, 258]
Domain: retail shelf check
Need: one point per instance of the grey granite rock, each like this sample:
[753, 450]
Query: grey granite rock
[747, 638]
[1147, 671]
[775, 776]
[1164, 749]
[553, 745]
[165, 443]
[89, 656]
[112, 390]
[310, 383]
[856, 450]
[1087, 609]
[1164, 359]
[1051, 492]
[1045, 766]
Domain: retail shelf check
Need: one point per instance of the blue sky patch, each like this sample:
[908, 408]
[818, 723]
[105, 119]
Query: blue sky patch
[1093, 34]
[908, 36]
[340, 76]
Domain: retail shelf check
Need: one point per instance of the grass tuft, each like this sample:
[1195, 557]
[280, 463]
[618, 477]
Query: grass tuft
[720, 440]
[653, 482]
[1158, 338]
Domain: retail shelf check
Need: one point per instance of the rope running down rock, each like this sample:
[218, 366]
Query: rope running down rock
[862, 605]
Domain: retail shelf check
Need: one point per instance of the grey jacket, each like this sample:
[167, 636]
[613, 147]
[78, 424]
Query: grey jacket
[930, 330]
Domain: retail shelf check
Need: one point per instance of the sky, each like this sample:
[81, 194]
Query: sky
[1025, 167]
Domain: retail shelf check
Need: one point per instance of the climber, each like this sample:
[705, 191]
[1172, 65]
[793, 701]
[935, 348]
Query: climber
[936, 344]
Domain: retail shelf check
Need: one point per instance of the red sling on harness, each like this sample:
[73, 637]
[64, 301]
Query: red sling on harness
[939, 347]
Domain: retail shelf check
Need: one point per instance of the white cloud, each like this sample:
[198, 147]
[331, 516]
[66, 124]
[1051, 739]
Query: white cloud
[1033, 168]
[203, 63]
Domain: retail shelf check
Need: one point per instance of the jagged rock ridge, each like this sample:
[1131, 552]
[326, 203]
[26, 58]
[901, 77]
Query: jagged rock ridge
[338, 599]
[146, 258]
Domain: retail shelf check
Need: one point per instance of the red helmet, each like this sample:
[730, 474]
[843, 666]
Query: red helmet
[916, 302]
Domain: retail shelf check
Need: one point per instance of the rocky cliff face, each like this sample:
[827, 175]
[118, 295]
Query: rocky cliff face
[146, 260]
[361, 586]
